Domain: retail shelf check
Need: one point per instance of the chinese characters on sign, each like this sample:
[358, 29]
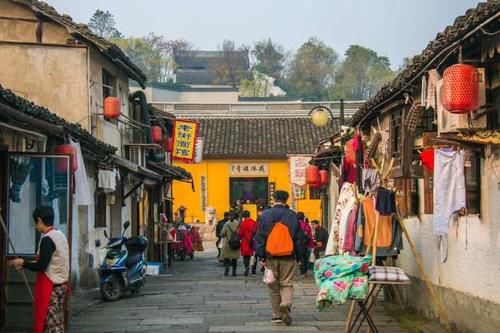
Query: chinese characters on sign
[248, 169]
[272, 189]
[203, 188]
[185, 134]
[298, 165]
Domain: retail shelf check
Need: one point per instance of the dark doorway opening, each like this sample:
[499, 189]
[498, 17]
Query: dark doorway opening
[249, 191]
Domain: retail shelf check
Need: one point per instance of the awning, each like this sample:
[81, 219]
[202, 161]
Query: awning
[136, 169]
[170, 171]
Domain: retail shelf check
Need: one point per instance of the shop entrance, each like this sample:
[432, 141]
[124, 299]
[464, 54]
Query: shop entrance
[250, 190]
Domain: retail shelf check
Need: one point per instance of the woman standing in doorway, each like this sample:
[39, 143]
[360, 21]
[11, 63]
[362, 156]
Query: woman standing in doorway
[230, 254]
[247, 231]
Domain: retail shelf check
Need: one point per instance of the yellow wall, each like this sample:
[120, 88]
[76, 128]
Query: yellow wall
[217, 180]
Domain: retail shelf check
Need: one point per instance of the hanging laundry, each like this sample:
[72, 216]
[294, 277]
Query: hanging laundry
[350, 232]
[384, 236]
[385, 202]
[339, 222]
[107, 180]
[347, 172]
[449, 187]
[82, 195]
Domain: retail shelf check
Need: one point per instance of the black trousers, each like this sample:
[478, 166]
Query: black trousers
[304, 259]
[246, 262]
[230, 262]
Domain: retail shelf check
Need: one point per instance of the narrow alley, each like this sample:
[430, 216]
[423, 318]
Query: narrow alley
[197, 298]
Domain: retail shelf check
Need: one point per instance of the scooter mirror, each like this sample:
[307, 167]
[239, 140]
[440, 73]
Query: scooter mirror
[126, 225]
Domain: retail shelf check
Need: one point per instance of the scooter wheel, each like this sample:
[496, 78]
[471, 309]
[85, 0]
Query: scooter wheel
[111, 290]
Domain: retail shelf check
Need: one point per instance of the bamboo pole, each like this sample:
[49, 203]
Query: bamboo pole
[434, 297]
[349, 317]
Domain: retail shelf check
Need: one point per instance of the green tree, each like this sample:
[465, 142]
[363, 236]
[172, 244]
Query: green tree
[102, 23]
[269, 58]
[361, 75]
[312, 71]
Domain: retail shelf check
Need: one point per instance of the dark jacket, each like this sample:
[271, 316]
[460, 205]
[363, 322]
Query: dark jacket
[269, 217]
[218, 227]
[321, 235]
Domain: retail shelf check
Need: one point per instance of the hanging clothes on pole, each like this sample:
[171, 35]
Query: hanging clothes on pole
[339, 221]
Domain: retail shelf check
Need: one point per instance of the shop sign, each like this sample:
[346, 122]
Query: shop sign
[298, 165]
[203, 187]
[272, 189]
[185, 135]
[248, 169]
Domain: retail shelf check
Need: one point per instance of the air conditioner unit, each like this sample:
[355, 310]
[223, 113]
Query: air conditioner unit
[137, 155]
[449, 122]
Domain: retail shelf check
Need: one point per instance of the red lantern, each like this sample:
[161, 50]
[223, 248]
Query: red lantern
[324, 178]
[112, 107]
[460, 89]
[156, 133]
[350, 153]
[61, 164]
[168, 144]
[312, 175]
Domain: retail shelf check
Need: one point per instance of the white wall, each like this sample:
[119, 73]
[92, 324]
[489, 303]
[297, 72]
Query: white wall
[474, 270]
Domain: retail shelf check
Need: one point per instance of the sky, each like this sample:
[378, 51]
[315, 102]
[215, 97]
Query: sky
[394, 28]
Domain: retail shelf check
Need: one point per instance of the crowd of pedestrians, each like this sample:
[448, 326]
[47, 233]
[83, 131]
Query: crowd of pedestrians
[280, 240]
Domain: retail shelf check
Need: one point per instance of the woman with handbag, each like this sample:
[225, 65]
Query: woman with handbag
[231, 248]
[247, 232]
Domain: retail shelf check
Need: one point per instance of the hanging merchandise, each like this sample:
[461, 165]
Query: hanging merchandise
[156, 133]
[460, 90]
[350, 152]
[324, 177]
[414, 117]
[312, 175]
[61, 165]
[338, 227]
[449, 187]
[385, 202]
[372, 148]
[370, 180]
[427, 157]
[112, 107]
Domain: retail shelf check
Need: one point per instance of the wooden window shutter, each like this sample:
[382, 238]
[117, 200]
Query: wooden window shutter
[428, 191]
[100, 210]
[473, 183]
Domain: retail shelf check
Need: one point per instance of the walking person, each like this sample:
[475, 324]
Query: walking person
[230, 253]
[218, 229]
[320, 239]
[247, 230]
[308, 242]
[277, 242]
[52, 267]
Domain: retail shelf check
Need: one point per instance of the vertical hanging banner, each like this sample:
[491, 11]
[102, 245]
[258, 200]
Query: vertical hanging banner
[198, 150]
[185, 134]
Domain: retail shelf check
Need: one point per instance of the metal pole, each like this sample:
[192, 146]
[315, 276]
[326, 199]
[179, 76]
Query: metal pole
[23, 274]
[341, 112]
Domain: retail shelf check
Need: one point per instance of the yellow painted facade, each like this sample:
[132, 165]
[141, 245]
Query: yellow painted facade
[217, 175]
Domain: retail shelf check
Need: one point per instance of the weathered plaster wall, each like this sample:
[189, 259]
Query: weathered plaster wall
[467, 281]
[51, 76]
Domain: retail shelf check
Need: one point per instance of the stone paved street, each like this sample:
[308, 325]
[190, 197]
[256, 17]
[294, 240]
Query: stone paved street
[195, 297]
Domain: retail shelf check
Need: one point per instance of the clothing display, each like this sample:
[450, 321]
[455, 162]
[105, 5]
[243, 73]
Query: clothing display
[383, 273]
[386, 202]
[350, 231]
[370, 180]
[344, 206]
[82, 188]
[427, 157]
[340, 278]
[449, 187]
[347, 172]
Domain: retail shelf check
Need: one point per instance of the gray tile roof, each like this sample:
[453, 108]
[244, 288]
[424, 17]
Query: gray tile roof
[260, 137]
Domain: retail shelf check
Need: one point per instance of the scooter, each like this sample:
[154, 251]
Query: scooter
[123, 270]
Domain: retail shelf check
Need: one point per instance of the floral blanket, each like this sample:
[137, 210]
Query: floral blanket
[340, 278]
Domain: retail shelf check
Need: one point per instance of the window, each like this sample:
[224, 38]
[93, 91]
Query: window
[396, 144]
[473, 183]
[108, 89]
[248, 190]
[100, 210]
[314, 193]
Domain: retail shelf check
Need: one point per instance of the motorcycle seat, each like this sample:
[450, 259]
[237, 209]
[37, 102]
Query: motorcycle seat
[132, 260]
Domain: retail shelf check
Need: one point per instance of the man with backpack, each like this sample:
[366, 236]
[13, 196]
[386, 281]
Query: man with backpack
[278, 241]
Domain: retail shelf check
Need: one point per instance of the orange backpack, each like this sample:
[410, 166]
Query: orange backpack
[279, 242]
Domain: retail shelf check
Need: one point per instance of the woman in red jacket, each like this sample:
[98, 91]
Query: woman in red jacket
[247, 230]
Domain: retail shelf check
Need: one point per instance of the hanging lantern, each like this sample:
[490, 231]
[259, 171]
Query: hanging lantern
[324, 177]
[156, 133]
[350, 153]
[61, 164]
[312, 176]
[460, 89]
[319, 118]
[168, 144]
[112, 107]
